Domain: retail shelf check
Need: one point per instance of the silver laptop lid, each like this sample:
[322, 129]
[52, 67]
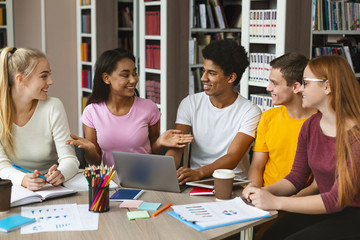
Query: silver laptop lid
[146, 171]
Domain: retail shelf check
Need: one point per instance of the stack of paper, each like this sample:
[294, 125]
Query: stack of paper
[202, 216]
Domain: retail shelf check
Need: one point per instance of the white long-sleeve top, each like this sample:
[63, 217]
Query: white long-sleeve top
[40, 143]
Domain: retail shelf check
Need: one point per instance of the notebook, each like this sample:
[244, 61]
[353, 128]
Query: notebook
[21, 196]
[197, 191]
[126, 194]
[14, 222]
[147, 171]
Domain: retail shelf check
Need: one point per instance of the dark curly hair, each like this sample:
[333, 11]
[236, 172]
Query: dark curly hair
[229, 56]
[106, 63]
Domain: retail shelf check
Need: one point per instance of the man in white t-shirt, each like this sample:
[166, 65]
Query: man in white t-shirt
[222, 122]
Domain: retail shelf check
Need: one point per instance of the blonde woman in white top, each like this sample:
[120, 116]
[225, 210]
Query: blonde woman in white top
[33, 127]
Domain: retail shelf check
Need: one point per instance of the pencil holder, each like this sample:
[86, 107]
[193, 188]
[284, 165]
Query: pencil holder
[99, 199]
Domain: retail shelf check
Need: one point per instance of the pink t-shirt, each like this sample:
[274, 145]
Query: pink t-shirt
[128, 133]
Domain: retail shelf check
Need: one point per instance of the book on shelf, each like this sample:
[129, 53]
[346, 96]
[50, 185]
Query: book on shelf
[126, 18]
[21, 196]
[86, 23]
[83, 103]
[152, 22]
[263, 101]
[262, 24]
[3, 38]
[86, 51]
[259, 67]
[152, 58]
[335, 15]
[202, 13]
[191, 85]
[126, 42]
[85, 2]
[196, 76]
[86, 79]
[153, 90]
[192, 47]
[210, 15]
[219, 14]
[2, 16]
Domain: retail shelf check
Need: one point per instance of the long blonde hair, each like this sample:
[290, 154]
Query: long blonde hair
[13, 61]
[345, 101]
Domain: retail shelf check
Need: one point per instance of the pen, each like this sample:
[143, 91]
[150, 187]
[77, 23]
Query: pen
[28, 171]
[161, 210]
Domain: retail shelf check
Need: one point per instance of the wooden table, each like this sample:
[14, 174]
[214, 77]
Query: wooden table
[115, 224]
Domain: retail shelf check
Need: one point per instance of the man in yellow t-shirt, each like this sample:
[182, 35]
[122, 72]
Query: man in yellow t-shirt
[278, 129]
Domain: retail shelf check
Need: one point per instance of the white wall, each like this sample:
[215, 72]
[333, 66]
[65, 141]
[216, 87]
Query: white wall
[60, 42]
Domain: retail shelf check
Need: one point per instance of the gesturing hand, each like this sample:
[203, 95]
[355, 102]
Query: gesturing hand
[175, 138]
[80, 142]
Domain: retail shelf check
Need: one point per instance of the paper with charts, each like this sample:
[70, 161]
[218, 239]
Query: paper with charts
[62, 217]
[216, 213]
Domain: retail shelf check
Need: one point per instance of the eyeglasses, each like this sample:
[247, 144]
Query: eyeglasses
[312, 80]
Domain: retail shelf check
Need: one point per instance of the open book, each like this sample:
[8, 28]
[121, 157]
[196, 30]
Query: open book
[21, 196]
[202, 216]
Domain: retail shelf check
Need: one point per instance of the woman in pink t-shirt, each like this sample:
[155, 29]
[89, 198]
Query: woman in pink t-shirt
[115, 119]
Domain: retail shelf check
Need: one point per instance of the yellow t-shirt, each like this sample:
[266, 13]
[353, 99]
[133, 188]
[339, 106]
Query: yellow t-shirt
[277, 134]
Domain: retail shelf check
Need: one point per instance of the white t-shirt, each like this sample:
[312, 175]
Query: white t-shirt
[215, 128]
[40, 143]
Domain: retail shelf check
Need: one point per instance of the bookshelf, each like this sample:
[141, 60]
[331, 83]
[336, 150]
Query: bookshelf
[96, 32]
[335, 29]
[162, 59]
[6, 23]
[127, 25]
[270, 29]
[210, 20]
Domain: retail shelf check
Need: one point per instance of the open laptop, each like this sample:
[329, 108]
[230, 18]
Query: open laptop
[147, 171]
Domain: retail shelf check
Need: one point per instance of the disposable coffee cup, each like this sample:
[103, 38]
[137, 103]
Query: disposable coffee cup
[5, 193]
[223, 182]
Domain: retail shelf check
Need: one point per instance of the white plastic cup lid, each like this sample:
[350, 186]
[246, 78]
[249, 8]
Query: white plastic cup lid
[223, 173]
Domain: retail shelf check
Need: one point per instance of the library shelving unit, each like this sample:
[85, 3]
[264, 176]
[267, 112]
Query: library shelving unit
[96, 32]
[162, 58]
[6, 23]
[127, 25]
[210, 20]
[270, 29]
[335, 29]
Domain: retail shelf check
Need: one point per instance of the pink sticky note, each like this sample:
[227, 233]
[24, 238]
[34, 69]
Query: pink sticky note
[131, 204]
